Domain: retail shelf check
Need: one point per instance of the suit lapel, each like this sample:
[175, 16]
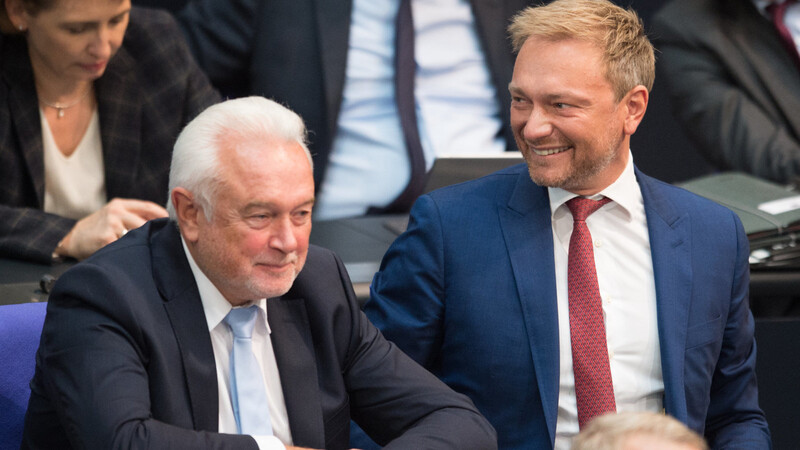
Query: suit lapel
[767, 57]
[119, 105]
[293, 347]
[176, 284]
[333, 23]
[670, 246]
[24, 109]
[291, 341]
[527, 231]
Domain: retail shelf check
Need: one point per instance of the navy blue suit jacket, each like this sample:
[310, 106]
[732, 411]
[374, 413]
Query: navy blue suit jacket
[469, 292]
[125, 361]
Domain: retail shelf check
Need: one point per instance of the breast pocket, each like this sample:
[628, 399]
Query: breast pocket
[704, 333]
[703, 344]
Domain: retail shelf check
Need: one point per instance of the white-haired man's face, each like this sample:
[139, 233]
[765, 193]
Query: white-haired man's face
[256, 242]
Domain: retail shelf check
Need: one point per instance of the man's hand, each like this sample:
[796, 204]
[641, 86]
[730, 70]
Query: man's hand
[106, 225]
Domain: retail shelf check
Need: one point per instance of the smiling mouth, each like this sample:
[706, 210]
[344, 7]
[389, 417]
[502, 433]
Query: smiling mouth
[280, 267]
[549, 151]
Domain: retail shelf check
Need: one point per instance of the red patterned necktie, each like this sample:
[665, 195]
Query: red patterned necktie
[778, 11]
[593, 388]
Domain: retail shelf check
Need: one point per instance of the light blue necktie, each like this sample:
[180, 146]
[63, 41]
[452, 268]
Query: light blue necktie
[248, 396]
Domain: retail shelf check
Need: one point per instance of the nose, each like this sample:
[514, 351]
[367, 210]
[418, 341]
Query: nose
[282, 235]
[537, 126]
[100, 46]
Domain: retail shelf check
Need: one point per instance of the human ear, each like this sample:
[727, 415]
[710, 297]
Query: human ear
[635, 105]
[17, 15]
[188, 213]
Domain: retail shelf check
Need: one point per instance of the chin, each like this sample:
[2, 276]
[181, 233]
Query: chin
[547, 180]
[273, 287]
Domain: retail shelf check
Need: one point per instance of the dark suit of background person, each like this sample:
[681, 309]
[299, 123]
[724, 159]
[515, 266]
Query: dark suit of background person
[295, 52]
[150, 90]
[128, 324]
[733, 85]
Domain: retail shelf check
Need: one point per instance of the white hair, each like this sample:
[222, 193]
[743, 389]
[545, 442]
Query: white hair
[613, 431]
[195, 160]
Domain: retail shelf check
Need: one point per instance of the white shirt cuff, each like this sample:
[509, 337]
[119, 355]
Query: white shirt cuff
[269, 443]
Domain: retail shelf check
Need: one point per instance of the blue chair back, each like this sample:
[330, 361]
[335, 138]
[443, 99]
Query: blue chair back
[20, 329]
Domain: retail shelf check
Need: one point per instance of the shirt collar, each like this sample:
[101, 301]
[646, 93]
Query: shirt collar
[624, 191]
[215, 306]
[763, 4]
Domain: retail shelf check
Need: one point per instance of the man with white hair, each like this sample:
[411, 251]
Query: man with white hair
[229, 330]
[642, 430]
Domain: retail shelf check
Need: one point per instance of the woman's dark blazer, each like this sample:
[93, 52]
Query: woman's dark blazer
[150, 90]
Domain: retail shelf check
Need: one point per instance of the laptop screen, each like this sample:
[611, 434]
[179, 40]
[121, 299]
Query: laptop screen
[457, 169]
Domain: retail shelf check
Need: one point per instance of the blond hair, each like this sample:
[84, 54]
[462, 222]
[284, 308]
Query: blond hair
[612, 431]
[628, 55]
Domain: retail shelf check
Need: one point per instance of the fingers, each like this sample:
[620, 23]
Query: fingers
[142, 208]
[88, 235]
[125, 222]
[108, 224]
[127, 214]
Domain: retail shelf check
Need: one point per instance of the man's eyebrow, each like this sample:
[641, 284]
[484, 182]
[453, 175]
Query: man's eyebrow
[568, 97]
[271, 205]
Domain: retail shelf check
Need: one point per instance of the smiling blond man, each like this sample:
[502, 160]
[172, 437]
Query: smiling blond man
[546, 316]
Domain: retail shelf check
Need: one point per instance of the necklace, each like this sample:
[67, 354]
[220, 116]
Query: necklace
[60, 107]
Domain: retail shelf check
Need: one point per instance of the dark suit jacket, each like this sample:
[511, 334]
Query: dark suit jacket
[149, 91]
[733, 86]
[295, 52]
[125, 361]
[469, 291]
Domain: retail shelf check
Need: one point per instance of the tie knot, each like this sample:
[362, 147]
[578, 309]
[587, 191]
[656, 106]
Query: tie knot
[581, 207]
[241, 321]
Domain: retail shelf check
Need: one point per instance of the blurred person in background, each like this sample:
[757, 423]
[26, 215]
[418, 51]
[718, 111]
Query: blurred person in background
[377, 117]
[733, 77]
[93, 94]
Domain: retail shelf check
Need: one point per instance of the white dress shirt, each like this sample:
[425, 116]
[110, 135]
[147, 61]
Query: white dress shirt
[216, 307]
[625, 277]
[457, 106]
[74, 185]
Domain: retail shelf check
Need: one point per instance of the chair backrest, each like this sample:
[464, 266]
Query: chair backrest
[20, 329]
